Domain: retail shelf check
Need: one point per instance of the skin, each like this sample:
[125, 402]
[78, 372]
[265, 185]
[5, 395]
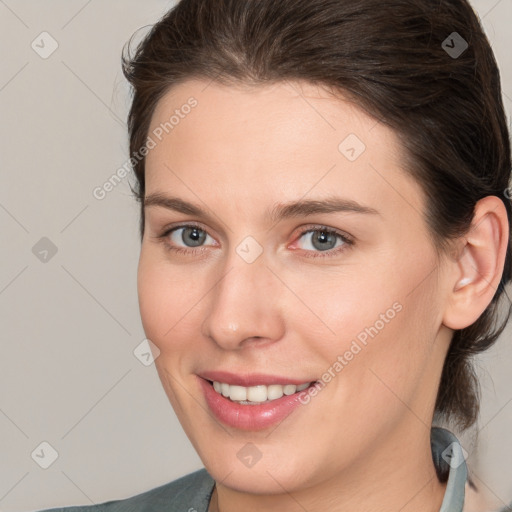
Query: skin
[363, 442]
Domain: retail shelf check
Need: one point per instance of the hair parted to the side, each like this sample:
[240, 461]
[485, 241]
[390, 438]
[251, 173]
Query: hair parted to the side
[388, 58]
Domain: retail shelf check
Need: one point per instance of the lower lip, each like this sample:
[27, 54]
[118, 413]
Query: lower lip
[249, 417]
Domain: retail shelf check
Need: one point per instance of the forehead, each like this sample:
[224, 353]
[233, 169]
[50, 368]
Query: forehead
[278, 114]
[285, 139]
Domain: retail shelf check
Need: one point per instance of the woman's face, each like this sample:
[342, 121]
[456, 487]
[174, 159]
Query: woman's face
[238, 286]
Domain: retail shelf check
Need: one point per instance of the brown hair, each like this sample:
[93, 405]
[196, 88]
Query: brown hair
[390, 57]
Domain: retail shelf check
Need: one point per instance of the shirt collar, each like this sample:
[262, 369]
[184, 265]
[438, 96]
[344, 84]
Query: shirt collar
[448, 454]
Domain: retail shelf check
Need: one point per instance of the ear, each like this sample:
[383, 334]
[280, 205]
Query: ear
[476, 271]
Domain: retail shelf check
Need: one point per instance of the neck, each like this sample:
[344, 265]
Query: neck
[399, 475]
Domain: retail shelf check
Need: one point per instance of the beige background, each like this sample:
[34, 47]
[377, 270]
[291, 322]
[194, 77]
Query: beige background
[70, 325]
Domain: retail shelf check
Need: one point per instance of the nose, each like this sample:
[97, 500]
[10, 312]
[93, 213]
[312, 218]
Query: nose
[243, 306]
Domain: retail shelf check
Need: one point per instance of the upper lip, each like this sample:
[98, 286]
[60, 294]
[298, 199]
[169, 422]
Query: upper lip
[252, 379]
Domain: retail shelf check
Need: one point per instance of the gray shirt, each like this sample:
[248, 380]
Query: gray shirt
[192, 492]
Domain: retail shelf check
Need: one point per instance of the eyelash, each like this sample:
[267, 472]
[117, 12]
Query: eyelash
[347, 241]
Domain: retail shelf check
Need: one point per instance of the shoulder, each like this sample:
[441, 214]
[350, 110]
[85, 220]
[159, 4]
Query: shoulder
[191, 492]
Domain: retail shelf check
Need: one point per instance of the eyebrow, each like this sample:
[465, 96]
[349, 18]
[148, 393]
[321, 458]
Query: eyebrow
[279, 211]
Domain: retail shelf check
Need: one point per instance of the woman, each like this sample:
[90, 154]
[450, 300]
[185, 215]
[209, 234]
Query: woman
[325, 241]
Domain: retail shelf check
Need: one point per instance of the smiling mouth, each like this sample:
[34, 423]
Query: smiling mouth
[256, 395]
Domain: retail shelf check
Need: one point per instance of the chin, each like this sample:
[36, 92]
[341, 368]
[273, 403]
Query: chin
[262, 481]
[256, 469]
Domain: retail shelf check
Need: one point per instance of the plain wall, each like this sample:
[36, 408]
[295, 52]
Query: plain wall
[70, 323]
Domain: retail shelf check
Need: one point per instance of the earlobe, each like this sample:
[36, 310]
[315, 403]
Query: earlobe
[478, 269]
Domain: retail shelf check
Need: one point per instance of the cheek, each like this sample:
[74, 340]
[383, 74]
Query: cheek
[371, 324]
[162, 298]
[339, 307]
[393, 364]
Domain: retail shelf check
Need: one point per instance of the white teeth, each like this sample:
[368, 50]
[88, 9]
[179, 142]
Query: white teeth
[237, 393]
[289, 389]
[224, 388]
[256, 394]
[274, 392]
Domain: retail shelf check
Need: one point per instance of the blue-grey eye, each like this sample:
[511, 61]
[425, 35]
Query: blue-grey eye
[190, 236]
[321, 240]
